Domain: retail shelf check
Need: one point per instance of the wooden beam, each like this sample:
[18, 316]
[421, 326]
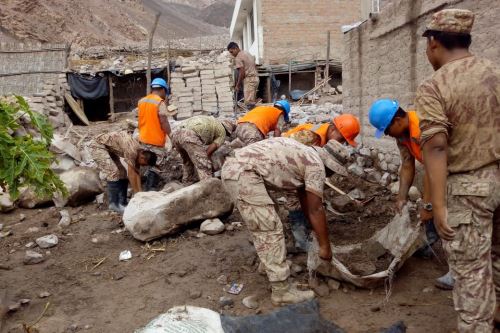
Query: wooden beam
[76, 109]
[269, 90]
[111, 99]
[150, 51]
[290, 78]
[327, 66]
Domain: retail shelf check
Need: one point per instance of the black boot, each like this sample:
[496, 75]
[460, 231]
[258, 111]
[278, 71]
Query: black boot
[114, 197]
[152, 180]
[122, 194]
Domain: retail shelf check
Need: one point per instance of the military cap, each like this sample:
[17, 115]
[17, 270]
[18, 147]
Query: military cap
[451, 20]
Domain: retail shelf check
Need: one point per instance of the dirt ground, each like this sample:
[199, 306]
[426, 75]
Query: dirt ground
[120, 296]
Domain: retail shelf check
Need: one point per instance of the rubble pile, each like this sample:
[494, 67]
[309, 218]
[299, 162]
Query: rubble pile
[203, 86]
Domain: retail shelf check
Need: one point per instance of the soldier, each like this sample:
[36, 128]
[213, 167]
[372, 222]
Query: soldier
[286, 165]
[196, 139]
[247, 74]
[106, 150]
[256, 124]
[459, 111]
[343, 128]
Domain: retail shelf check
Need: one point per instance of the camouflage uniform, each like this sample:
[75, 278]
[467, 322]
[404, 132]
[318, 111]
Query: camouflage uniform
[281, 164]
[191, 139]
[106, 150]
[462, 101]
[248, 133]
[251, 82]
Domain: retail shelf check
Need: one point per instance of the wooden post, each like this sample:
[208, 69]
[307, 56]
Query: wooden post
[168, 62]
[268, 89]
[111, 99]
[327, 66]
[150, 51]
[290, 78]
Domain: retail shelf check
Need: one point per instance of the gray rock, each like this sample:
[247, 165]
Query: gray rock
[365, 152]
[22, 217]
[333, 284]
[63, 163]
[414, 194]
[356, 170]
[357, 194]
[391, 167]
[65, 220]
[386, 179]
[250, 302]
[14, 307]
[28, 199]
[32, 257]
[394, 187]
[47, 241]
[321, 289]
[226, 301]
[154, 214]
[389, 158]
[83, 185]
[194, 294]
[222, 279]
[373, 175]
[342, 203]
[383, 166]
[30, 245]
[212, 227]
[381, 157]
[44, 294]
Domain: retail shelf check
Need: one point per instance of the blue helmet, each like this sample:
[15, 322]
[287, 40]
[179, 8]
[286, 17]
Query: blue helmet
[381, 113]
[285, 106]
[160, 83]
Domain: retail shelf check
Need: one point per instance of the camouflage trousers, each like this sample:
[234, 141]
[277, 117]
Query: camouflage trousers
[250, 85]
[246, 134]
[196, 165]
[474, 214]
[161, 158]
[262, 220]
[108, 163]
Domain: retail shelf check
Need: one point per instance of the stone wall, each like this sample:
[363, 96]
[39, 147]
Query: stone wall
[25, 67]
[387, 58]
[297, 30]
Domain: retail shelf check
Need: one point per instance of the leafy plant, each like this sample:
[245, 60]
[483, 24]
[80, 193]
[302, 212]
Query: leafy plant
[24, 160]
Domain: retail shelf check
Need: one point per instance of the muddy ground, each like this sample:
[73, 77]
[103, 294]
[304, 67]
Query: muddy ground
[119, 296]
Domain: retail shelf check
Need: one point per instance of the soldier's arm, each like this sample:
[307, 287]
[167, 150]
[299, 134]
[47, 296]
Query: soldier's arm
[241, 77]
[406, 175]
[436, 164]
[134, 178]
[312, 205]
[162, 115]
[279, 127]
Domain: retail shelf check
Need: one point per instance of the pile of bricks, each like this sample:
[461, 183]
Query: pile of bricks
[203, 87]
[50, 101]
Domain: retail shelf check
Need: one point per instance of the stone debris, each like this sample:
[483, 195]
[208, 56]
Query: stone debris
[32, 257]
[212, 227]
[357, 194]
[44, 294]
[125, 255]
[251, 302]
[22, 217]
[153, 214]
[65, 220]
[414, 194]
[226, 301]
[195, 294]
[48, 241]
[333, 284]
[29, 245]
[6, 205]
[83, 185]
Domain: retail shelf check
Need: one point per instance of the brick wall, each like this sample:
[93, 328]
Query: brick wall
[387, 58]
[297, 29]
[24, 68]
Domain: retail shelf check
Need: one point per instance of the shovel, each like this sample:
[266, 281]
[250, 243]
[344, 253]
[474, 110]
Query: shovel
[338, 190]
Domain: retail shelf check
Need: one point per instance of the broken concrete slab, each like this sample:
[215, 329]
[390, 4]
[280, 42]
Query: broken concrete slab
[83, 185]
[153, 214]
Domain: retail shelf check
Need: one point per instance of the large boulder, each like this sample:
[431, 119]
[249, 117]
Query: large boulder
[153, 214]
[83, 185]
[29, 199]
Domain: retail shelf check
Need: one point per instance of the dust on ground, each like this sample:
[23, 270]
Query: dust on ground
[119, 296]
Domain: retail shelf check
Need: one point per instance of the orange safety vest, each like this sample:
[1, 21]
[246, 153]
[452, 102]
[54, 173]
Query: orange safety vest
[320, 129]
[265, 118]
[150, 130]
[413, 142]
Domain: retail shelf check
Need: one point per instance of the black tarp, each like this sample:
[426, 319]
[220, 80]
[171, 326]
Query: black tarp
[88, 87]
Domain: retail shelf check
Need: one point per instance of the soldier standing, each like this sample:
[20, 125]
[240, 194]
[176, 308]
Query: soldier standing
[459, 111]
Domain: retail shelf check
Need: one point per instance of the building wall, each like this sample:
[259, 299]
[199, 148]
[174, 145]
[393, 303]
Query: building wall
[297, 30]
[24, 68]
[387, 58]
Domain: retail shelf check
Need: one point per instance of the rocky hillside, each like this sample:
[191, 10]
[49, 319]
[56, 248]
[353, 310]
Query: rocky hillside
[111, 22]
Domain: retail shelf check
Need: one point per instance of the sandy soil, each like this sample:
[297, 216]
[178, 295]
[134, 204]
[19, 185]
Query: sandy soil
[122, 296]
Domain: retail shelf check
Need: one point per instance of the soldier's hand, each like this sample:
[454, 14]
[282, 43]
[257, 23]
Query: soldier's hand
[442, 226]
[325, 253]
